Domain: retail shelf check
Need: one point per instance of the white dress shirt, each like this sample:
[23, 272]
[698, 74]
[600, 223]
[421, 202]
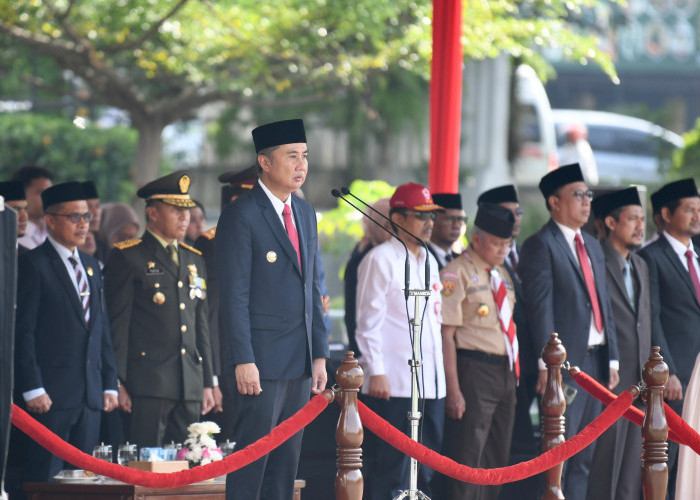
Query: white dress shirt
[34, 235]
[680, 249]
[383, 332]
[278, 204]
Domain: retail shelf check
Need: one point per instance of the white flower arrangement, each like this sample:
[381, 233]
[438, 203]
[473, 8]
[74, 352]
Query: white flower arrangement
[200, 447]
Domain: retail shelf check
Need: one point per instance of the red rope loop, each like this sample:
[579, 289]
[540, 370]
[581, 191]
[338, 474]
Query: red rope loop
[501, 475]
[23, 421]
[678, 429]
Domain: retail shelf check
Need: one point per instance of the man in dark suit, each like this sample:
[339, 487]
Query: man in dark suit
[615, 472]
[237, 183]
[65, 370]
[675, 291]
[563, 274]
[448, 227]
[13, 193]
[271, 309]
[156, 288]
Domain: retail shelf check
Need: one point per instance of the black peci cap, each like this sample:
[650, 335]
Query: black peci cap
[245, 178]
[495, 219]
[278, 133]
[449, 201]
[172, 189]
[12, 191]
[500, 194]
[684, 188]
[61, 193]
[605, 203]
[560, 177]
[90, 190]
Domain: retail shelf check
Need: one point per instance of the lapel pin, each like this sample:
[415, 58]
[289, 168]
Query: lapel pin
[89, 271]
[271, 256]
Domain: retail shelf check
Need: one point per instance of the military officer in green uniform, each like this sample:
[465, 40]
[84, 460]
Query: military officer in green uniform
[156, 289]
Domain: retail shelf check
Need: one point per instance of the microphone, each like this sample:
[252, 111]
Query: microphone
[346, 191]
[407, 270]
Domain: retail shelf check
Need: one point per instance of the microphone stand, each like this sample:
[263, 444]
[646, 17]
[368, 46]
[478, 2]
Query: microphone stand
[414, 416]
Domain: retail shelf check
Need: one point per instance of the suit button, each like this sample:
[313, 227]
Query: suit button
[182, 306]
[179, 284]
[183, 328]
[143, 354]
[156, 285]
[183, 351]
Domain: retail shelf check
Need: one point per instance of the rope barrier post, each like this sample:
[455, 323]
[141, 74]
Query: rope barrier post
[552, 414]
[654, 428]
[349, 434]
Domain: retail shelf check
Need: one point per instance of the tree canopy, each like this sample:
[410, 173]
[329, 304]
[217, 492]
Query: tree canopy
[161, 60]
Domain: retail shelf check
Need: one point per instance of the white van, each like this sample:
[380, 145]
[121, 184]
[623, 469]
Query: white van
[626, 149]
[536, 148]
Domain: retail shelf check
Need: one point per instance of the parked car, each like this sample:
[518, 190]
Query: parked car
[626, 149]
[534, 128]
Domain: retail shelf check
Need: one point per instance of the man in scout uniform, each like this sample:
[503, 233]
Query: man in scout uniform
[156, 289]
[236, 184]
[480, 350]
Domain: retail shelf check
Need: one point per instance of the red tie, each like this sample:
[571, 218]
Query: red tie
[500, 295]
[590, 284]
[291, 230]
[693, 273]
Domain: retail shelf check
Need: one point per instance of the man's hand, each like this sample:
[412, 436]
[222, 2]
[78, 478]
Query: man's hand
[541, 382]
[248, 379]
[124, 399]
[319, 377]
[455, 405]
[109, 402]
[40, 404]
[379, 387]
[326, 302]
[207, 400]
[614, 379]
[673, 390]
[218, 399]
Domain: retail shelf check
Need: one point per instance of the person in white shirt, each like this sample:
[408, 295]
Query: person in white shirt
[35, 180]
[384, 337]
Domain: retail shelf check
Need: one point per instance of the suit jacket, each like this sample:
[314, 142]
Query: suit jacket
[161, 341]
[675, 313]
[556, 297]
[632, 323]
[432, 250]
[271, 310]
[205, 244]
[55, 348]
[528, 353]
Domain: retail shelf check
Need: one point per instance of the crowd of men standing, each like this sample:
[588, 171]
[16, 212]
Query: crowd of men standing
[167, 330]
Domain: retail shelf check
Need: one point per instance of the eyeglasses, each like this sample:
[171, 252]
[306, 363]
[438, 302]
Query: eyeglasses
[75, 217]
[424, 216]
[579, 194]
[456, 218]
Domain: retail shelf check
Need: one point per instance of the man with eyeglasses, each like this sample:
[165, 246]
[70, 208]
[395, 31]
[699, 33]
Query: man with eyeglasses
[384, 337]
[155, 290]
[448, 227]
[480, 350]
[65, 369]
[563, 275]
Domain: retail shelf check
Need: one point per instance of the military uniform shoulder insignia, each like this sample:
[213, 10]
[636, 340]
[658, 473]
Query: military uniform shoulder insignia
[210, 233]
[127, 244]
[191, 249]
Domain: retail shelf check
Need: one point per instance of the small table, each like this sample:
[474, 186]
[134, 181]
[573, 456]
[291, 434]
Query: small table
[112, 490]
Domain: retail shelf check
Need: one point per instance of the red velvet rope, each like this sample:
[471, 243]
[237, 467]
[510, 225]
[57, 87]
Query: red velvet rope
[235, 461]
[501, 475]
[678, 429]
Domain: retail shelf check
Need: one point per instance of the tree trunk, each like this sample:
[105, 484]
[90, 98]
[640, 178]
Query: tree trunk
[146, 166]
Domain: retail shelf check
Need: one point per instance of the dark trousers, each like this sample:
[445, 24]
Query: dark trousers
[386, 468]
[482, 437]
[272, 476]
[158, 421]
[578, 415]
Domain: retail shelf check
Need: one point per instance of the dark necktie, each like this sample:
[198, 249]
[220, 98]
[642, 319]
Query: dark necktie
[590, 283]
[84, 292]
[448, 256]
[513, 257]
[291, 230]
[693, 273]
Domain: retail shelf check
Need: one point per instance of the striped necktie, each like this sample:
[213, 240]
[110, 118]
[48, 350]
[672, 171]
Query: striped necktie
[500, 295]
[84, 292]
